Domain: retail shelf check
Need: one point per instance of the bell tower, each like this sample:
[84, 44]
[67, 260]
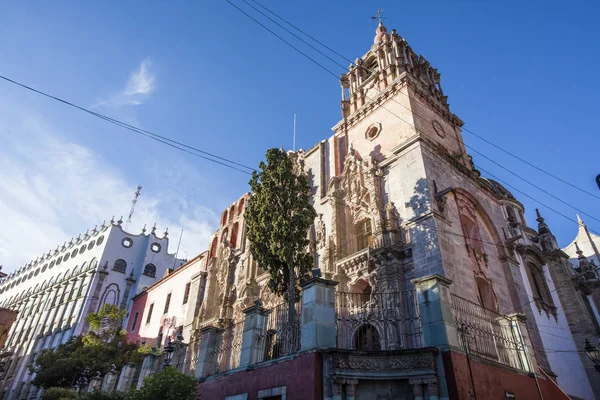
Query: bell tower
[391, 95]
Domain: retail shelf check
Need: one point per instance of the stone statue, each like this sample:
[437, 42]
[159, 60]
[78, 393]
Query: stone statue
[321, 233]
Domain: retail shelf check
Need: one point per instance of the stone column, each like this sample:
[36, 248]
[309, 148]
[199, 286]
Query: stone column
[126, 378]
[417, 388]
[255, 325]
[209, 348]
[435, 306]
[149, 366]
[337, 391]
[319, 330]
[433, 388]
[95, 384]
[178, 361]
[110, 381]
[350, 389]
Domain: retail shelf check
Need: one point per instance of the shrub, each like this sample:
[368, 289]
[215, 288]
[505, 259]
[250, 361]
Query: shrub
[58, 393]
[168, 384]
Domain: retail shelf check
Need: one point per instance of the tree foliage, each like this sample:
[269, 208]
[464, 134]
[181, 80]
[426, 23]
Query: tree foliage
[106, 344]
[278, 216]
[168, 384]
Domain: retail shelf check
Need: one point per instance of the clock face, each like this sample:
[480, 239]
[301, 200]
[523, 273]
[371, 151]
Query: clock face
[437, 127]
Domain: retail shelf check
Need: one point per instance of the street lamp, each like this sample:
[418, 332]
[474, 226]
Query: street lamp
[593, 353]
[168, 353]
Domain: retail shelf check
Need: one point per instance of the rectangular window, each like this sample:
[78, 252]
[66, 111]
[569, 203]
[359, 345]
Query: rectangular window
[135, 317]
[149, 313]
[186, 295]
[167, 303]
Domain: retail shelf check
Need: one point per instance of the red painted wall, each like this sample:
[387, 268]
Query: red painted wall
[303, 377]
[138, 306]
[491, 382]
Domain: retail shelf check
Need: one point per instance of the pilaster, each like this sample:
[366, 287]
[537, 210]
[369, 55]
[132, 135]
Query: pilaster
[254, 327]
[209, 346]
[319, 328]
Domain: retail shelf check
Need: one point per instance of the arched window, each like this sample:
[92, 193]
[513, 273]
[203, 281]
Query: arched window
[539, 287]
[485, 294]
[241, 207]
[366, 337]
[150, 270]
[364, 234]
[213, 248]
[232, 212]
[120, 266]
[224, 218]
[234, 234]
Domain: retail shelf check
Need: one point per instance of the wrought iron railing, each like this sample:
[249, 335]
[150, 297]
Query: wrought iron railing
[486, 334]
[228, 354]
[378, 321]
[281, 336]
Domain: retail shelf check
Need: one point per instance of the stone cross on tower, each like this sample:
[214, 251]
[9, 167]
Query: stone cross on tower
[378, 16]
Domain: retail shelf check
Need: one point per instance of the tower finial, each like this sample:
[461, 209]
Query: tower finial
[539, 218]
[579, 221]
[378, 16]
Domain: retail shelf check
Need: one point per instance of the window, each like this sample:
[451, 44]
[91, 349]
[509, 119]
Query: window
[241, 207]
[155, 247]
[91, 245]
[120, 266]
[367, 338]
[234, 234]
[167, 303]
[127, 243]
[186, 294]
[364, 234]
[82, 249]
[150, 309]
[100, 240]
[58, 261]
[73, 253]
[159, 339]
[66, 257]
[150, 270]
[213, 248]
[224, 218]
[231, 212]
[135, 318]
[539, 287]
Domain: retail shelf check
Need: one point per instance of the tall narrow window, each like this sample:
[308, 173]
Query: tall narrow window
[234, 234]
[150, 309]
[167, 303]
[150, 270]
[186, 294]
[364, 234]
[135, 318]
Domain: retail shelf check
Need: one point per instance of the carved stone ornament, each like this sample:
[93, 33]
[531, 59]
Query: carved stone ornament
[396, 363]
[321, 233]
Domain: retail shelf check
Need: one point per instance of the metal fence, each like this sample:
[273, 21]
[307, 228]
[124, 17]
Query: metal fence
[281, 336]
[228, 354]
[485, 333]
[378, 321]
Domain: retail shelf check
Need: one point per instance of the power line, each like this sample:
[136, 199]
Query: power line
[381, 105]
[169, 142]
[463, 128]
[530, 164]
[283, 40]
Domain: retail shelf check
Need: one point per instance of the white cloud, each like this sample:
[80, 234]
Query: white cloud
[138, 88]
[141, 81]
[52, 189]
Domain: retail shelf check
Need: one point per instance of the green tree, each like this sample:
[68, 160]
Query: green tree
[106, 344]
[168, 384]
[278, 216]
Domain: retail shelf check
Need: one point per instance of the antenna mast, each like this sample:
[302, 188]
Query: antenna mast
[133, 202]
[294, 143]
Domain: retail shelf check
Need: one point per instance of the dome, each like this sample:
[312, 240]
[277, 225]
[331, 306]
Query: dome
[498, 189]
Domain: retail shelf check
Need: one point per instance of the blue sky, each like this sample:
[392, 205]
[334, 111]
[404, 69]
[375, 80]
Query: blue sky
[521, 74]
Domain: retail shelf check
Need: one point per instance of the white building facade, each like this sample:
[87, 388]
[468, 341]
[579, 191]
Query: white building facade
[55, 292]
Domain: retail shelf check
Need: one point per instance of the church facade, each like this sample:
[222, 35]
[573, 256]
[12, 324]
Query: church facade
[400, 205]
